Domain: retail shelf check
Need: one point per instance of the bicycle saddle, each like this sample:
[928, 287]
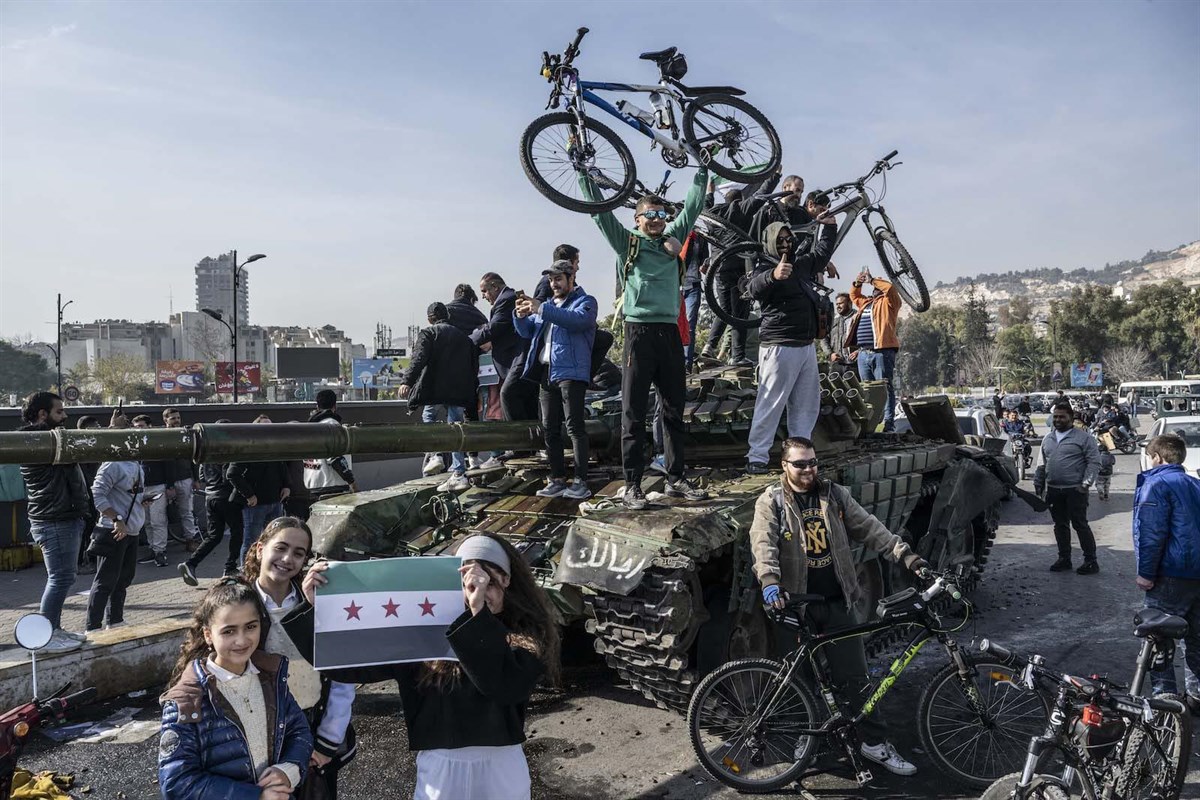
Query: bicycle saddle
[659, 55]
[696, 91]
[1152, 622]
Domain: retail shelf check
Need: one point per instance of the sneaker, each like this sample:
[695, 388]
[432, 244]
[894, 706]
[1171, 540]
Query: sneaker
[433, 466]
[659, 464]
[472, 462]
[61, 644]
[578, 490]
[757, 468]
[886, 755]
[189, 577]
[231, 572]
[1089, 567]
[78, 637]
[553, 488]
[1061, 565]
[147, 559]
[491, 463]
[455, 483]
[160, 559]
[741, 362]
[506, 455]
[634, 498]
[685, 489]
[112, 626]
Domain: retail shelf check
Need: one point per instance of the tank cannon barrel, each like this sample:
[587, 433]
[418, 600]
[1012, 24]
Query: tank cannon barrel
[282, 442]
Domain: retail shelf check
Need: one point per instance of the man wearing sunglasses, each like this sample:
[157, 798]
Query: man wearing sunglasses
[651, 273]
[801, 537]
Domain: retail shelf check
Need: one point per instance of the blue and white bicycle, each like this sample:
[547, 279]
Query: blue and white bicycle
[717, 128]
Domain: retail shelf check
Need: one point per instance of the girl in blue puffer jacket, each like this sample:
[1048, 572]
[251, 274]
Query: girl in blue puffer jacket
[231, 729]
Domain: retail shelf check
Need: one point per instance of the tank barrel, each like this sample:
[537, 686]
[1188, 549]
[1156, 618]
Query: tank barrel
[281, 442]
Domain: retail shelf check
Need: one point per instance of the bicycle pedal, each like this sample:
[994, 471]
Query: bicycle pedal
[864, 777]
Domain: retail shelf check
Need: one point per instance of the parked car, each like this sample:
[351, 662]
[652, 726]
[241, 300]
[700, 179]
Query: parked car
[1186, 426]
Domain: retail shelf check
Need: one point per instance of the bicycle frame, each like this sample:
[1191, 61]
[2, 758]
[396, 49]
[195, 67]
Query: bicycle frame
[853, 209]
[586, 91]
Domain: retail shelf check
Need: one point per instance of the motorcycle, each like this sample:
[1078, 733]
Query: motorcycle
[1111, 435]
[1022, 454]
[33, 632]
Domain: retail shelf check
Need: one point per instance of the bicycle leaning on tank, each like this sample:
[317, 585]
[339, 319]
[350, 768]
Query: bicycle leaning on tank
[1114, 746]
[717, 129]
[754, 723]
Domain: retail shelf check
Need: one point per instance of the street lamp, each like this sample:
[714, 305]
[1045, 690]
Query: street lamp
[237, 271]
[219, 317]
[57, 348]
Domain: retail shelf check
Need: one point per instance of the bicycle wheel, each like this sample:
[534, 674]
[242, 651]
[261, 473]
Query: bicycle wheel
[975, 750]
[745, 757]
[1154, 757]
[1041, 788]
[552, 157]
[732, 262]
[901, 269]
[749, 145]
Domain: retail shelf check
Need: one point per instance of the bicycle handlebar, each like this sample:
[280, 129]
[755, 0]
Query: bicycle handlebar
[573, 48]
[1002, 653]
[890, 155]
[60, 705]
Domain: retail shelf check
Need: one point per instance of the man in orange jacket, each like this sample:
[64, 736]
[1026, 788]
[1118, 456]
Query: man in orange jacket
[874, 334]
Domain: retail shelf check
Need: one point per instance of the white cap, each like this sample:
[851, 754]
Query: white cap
[484, 548]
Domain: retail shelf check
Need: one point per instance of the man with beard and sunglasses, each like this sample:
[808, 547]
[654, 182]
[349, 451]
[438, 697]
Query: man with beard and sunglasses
[58, 505]
[801, 539]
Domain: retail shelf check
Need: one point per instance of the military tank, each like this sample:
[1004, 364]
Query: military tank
[667, 593]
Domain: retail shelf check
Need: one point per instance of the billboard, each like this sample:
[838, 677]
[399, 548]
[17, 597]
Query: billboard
[378, 371]
[179, 377]
[308, 362]
[1087, 374]
[249, 376]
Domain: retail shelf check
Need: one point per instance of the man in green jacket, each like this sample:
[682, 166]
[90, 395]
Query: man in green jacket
[649, 270]
[800, 539]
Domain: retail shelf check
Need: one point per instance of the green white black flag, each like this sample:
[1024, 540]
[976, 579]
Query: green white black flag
[387, 611]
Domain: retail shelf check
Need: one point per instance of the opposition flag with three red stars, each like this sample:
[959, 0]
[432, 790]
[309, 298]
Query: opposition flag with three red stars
[387, 611]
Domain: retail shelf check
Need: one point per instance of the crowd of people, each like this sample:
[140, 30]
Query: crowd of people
[248, 655]
[548, 347]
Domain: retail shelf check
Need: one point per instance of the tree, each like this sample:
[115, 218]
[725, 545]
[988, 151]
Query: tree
[22, 372]
[1020, 310]
[122, 375]
[980, 360]
[1024, 356]
[1158, 321]
[975, 320]
[1127, 362]
[928, 342]
[1083, 322]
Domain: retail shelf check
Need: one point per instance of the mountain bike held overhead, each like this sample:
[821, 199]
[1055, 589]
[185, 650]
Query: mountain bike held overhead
[714, 128]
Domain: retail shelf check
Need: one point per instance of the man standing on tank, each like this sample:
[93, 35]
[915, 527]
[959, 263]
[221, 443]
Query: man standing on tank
[652, 276]
[801, 539]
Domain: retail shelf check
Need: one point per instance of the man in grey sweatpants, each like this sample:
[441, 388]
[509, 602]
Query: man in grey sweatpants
[787, 358]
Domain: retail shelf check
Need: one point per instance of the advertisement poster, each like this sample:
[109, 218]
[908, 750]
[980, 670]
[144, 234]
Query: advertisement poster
[1085, 374]
[179, 377]
[378, 371]
[249, 376]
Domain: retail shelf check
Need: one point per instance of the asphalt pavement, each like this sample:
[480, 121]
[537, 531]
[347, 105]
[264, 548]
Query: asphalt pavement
[595, 741]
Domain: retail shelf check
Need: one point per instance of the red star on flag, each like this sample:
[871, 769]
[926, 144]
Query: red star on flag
[352, 611]
[427, 607]
[390, 609]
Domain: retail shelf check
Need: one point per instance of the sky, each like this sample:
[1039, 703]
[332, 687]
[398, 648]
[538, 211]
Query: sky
[370, 149]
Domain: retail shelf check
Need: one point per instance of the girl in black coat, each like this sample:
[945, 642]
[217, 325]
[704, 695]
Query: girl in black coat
[466, 718]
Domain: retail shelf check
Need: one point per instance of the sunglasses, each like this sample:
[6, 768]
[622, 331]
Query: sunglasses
[802, 463]
[659, 214]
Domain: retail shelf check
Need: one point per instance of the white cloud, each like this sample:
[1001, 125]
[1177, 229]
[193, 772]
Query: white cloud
[56, 31]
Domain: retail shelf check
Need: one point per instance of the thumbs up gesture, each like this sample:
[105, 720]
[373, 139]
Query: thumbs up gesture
[783, 270]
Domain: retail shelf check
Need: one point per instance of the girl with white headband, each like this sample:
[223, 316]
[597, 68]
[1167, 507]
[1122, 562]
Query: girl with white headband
[466, 718]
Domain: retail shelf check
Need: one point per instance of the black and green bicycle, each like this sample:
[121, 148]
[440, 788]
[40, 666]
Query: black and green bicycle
[755, 723]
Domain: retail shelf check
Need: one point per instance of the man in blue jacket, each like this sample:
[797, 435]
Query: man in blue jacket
[561, 331]
[1166, 544]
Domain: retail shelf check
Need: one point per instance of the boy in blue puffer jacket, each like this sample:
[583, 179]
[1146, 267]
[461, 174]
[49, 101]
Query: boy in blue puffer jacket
[231, 729]
[561, 332]
[1166, 544]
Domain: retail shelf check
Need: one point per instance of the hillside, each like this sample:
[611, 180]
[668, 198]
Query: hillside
[1043, 285]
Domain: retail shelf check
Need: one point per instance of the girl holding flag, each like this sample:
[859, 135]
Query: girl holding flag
[466, 718]
[273, 564]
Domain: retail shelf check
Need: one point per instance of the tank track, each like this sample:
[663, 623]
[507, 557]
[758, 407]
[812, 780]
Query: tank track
[647, 636]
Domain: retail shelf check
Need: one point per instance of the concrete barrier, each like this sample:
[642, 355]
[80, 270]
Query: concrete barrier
[115, 662]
